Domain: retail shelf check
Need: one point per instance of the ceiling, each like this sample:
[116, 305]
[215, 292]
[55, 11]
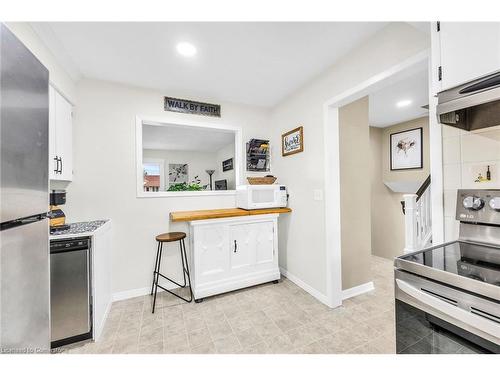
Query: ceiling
[411, 85]
[251, 63]
[185, 138]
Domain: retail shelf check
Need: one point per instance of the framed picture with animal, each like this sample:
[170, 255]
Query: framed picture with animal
[406, 149]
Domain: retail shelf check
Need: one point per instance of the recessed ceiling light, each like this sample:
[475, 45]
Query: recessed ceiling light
[403, 103]
[186, 49]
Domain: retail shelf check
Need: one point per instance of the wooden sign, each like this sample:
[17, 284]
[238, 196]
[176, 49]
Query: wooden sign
[191, 107]
[292, 142]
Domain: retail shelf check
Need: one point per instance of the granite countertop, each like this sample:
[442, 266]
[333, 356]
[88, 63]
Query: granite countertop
[82, 228]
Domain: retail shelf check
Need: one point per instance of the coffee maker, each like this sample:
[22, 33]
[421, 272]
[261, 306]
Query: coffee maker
[56, 215]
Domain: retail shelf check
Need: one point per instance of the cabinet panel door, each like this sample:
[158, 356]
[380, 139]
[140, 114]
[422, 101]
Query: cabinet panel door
[211, 253]
[64, 136]
[242, 246]
[468, 50]
[52, 134]
[264, 236]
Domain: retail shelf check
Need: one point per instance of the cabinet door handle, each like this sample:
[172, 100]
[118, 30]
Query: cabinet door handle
[60, 159]
[235, 246]
[56, 159]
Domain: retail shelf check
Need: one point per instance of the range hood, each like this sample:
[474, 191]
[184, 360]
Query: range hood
[473, 105]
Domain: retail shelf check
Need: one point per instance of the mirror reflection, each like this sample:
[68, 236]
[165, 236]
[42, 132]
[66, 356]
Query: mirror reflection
[186, 158]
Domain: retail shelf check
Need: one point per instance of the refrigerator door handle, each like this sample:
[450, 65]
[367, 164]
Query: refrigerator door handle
[23, 221]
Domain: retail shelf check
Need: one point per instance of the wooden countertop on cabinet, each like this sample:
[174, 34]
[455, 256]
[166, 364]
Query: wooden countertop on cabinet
[178, 216]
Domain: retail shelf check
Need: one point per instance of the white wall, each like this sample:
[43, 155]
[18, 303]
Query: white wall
[197, 162]
[465, 154]
[58, 76]
[104, 183]
[304, 239]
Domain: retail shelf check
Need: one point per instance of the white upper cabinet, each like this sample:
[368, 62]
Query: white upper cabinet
[465, 51]
[60, 137]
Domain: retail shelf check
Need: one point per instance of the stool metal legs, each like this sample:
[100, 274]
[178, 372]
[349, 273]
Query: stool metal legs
[156, 267]
[185, 272]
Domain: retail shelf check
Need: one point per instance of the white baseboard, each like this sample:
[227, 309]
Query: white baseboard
[126, 294]
[357, 290]
[309, 289]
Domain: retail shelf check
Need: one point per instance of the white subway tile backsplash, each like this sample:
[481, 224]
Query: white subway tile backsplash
[450, 131]
[451, 150]
[480, 147]
[452, 176]
[466, 156]
[474, 175]
[449, 202]
[451, 229]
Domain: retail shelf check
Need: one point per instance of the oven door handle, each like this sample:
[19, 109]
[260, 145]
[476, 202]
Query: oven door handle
[477, 322]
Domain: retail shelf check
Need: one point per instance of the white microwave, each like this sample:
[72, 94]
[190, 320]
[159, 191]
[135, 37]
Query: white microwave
[251, 197]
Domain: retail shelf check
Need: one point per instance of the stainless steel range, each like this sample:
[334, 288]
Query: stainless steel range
[448, 296]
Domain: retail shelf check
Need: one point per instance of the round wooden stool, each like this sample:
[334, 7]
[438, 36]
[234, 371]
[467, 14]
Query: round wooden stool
[171, 237]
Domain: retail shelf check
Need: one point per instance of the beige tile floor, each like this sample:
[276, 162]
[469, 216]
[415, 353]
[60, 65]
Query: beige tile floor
[270, 318]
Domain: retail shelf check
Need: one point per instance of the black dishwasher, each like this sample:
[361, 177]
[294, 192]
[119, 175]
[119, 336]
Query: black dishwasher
[70, 291]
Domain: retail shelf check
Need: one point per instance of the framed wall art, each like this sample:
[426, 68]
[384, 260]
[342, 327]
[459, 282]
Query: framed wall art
[177, 174]
[406, 149]
[292, 142]
[227, 165]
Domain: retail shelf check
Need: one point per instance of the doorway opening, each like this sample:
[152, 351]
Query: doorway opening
[348, 185]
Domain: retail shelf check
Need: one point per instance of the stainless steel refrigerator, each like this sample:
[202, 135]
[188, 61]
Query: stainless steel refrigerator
[24, 241]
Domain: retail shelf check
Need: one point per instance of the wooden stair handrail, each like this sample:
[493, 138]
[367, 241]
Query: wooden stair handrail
[421, 190]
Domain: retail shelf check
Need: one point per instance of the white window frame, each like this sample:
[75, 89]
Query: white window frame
[162, 121]
[162, 169]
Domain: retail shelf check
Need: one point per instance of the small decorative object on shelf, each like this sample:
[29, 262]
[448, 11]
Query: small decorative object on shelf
[210, 173]
[258, 156]
[482, 173]
[292, 142]
[267, 180]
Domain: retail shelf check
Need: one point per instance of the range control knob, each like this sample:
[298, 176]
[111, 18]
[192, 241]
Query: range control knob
[495, 203]
[473, 203]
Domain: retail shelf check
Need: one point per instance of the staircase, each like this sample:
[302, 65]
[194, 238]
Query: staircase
[418, 224]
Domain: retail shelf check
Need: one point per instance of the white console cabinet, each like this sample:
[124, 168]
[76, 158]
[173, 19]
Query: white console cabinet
[233, 253]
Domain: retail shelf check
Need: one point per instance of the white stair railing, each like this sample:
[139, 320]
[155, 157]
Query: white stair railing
[418, 224]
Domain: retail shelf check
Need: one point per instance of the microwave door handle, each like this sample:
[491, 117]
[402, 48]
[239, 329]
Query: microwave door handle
[481, 324]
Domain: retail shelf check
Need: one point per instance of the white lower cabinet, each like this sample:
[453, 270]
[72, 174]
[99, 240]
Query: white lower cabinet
[233, 253]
